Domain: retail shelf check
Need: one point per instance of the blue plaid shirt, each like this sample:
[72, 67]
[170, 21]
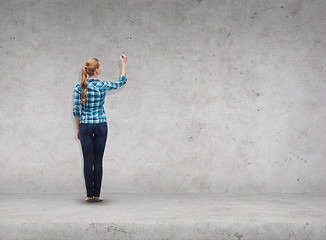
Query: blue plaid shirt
[93, 109]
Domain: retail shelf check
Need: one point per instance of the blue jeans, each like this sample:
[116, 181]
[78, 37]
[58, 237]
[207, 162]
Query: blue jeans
[93, 138]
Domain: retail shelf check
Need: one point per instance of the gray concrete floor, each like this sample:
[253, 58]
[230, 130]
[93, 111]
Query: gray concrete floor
[164, 216]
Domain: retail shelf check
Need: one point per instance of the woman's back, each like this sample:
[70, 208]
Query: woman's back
[93, 109]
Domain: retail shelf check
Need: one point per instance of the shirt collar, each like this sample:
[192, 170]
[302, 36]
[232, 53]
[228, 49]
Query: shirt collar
[92, 79]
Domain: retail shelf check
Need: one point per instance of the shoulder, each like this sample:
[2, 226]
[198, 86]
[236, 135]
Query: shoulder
[78, 88]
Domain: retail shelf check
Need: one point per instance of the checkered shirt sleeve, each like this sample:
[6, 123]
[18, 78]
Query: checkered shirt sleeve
[77, 108]
[115, 85]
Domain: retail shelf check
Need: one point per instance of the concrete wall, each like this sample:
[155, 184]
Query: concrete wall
[222, 96]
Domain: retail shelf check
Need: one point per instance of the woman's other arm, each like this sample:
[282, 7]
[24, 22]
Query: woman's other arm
[77, 108]
[77, 119]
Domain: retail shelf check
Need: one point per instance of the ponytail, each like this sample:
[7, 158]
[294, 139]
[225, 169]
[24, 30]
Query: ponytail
[84, 85]
[89, 68]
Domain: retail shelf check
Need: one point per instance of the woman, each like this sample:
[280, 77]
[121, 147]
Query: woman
[92, 129]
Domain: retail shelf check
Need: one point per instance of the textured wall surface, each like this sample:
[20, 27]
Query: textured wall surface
[222, 96]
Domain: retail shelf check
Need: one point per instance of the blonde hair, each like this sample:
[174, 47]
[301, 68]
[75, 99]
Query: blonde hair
[89, 68]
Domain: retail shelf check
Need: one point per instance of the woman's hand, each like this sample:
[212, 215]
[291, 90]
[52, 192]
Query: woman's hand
[78, 135]
[123, 58]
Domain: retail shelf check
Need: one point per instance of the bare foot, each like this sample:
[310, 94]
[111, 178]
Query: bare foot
[98, 199]
[89, 199]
